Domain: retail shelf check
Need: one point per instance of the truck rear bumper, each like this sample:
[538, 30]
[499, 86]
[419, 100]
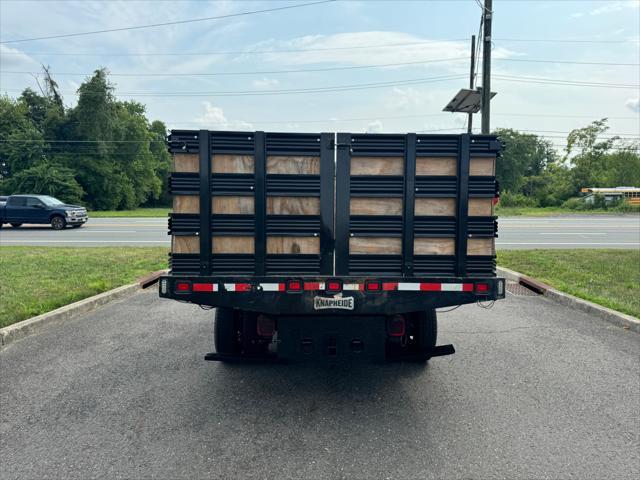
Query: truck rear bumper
[331, 296]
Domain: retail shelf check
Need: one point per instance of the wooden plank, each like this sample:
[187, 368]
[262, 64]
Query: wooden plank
[434, 246]
[481, 246]
[293, 245]
[233, 244]
[293, 206]
[482, 166]
[293, 165]
[222, 163]
[480, 207]
[185, 244]
[186, 204]
[377, 166]
[436, 206]
[186, 162]
[389, 246]
[233, 205]
[436, 166]
[376, 206]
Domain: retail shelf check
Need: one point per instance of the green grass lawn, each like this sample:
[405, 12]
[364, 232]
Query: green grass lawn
[553, 211]
[35, 280]
[138, 212]
[607, 277]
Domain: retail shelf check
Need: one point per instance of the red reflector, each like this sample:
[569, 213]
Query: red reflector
[295, 286]
[373, 286]
[265, 326]
[482, 287]
[312, 285]
[183, 286]
[333, 286]
[496, 200]
[395, 326]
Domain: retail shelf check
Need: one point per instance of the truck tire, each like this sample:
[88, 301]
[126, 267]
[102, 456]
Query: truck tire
[224, 331]
[58, 222]
[427, 329]
[16, 225]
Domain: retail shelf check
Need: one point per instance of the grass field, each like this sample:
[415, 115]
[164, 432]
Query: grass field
[138, 212]
[607, 277]
[553, 211]
[38, 280]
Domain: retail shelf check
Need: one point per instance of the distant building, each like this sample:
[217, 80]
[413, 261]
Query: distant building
[631, 194]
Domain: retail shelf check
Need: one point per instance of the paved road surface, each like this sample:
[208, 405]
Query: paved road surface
[536, 390]
[596, 231]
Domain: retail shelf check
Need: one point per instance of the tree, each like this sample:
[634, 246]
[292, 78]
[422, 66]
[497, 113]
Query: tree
[46, 179]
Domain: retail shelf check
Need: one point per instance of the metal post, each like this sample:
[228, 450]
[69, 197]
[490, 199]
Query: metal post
[409, 204]
[486, 66]
[343, 199]
[204, 140]
[462, 227]
[471, 75]
[260, 202]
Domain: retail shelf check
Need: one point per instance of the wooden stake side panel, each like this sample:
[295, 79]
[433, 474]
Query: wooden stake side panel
[277, 245]
[223, 163]
[377, 166]
[434, 246]
[482, 166]
[186, 163]
[434, 166]
[185, 244]
[293, 206]
[445, 207]
[296, 165]
[232, 205]
[186, 204]
[480, 207]
[481, 246]
[375, 245]
[233, 245]
[375, 206]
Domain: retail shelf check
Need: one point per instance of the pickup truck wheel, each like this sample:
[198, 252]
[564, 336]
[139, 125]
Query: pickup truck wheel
[58, 223]
[225, 332]
[427, 323]
[16, 225]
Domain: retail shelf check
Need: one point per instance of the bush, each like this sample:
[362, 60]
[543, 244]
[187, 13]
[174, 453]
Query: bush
[46, 179]
[508, 199]
[577, 203]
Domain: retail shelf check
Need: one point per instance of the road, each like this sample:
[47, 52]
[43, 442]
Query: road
[579, 231]
[536, 390]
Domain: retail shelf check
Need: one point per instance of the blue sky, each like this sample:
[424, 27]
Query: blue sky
[427, 30]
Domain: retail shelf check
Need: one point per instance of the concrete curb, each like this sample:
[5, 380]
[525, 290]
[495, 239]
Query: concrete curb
[26, 327]
[613, 316]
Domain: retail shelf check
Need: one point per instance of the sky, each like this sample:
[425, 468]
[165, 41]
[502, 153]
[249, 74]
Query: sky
[421, 50]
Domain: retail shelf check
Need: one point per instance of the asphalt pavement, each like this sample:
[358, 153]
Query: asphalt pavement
[535, 390]
[575, 231]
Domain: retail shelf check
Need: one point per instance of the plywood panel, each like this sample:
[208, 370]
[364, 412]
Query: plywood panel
[377, 166]
[233, 205]
[436, 166]
[482, 166]
[186, 204]
[434, 246]
[376, 206]
[388, 246]
[293, 245]
[184, 244]
[436, 206]
[186, 162]
[293, 205]
[222, 163]
[233, 245]
[481, 246]
[480, 207]
[293, 165]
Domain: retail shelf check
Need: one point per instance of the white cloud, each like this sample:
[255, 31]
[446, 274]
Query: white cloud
[14, 59]
[215, 119]
[374, 127]
[609, 7]
[409, 98]
[633, 104]
[265, 83]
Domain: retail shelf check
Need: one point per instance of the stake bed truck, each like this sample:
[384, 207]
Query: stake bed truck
[331, 246]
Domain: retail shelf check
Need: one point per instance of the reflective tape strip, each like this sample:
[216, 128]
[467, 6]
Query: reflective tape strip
[237, 287]
[456, 287]
[272, 287]
[205, 287]
[430, 287]
[408, 286]
[351, 286]
[388, 286]
[313, 286]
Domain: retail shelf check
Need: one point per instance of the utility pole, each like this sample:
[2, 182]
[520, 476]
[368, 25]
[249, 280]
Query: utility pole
[471, 74]
[486, 66]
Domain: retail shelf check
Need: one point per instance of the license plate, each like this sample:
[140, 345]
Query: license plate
[344, 303]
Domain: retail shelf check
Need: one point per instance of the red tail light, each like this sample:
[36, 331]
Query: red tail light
[373, 286]
[265, 326]
[294, 286]
[396, 326]
[482, 287]
[333, 286]
[183, 287]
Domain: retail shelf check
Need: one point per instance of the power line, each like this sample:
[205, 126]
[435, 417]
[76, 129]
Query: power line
[163, 24]
[552, 81]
